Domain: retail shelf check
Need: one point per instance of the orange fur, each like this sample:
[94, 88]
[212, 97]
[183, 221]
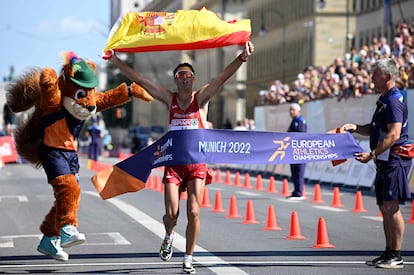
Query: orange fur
[44, 92]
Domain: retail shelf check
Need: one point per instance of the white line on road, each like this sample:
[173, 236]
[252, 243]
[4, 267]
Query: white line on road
[113, 238]
[206, 263]
[19, 198]
[179, 241]
[330, 208]
[373, 218]
[8, 240]
[249, 194]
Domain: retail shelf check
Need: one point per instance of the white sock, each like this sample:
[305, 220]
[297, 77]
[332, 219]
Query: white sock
[169, 237]
[188, 258]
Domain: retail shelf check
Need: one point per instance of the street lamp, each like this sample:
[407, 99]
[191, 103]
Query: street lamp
[263, 32]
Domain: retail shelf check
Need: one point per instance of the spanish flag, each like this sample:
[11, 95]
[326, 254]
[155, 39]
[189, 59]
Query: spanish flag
[183, 30]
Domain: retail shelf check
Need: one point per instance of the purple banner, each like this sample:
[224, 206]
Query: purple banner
[238, 147]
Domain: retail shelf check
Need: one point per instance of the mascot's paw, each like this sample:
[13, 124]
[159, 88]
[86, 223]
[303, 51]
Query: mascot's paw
[139, 92]
[48, 77]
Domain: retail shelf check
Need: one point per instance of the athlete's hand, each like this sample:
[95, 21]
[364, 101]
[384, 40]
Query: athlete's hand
[248, 49]
[349, 127]
[108, 54]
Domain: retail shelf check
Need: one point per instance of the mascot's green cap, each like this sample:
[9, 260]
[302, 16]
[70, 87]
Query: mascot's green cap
[84, 75]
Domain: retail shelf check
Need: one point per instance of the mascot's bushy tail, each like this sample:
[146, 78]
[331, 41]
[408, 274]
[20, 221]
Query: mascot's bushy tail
[23, 95]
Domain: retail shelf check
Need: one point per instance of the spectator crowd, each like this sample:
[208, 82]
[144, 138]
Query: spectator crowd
[348, 76]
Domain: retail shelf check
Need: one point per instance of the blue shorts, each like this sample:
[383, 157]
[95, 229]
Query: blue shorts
[58, 162]
[391, 182]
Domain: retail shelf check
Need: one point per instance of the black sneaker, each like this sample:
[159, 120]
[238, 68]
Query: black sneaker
[391, 262]
[384, 256]
[188, 268]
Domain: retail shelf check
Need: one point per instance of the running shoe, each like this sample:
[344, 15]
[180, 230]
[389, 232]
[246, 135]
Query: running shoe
[296, 198]
[391, 262]
[50, 246]
[188, 268]
[69, 236]
[383, 257]
[166, 250]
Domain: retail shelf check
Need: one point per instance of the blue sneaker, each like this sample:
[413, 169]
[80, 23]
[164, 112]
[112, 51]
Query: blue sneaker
[50, 246]
[69, 236]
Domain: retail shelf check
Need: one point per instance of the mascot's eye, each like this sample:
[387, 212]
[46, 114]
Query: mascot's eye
[80, 94]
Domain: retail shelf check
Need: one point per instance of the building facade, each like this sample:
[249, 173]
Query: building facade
[288, 36]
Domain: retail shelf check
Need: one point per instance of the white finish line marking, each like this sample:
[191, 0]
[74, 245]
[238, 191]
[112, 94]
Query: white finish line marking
[206, 263]
[179, 241]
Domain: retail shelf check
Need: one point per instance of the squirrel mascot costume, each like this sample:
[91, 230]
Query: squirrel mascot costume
[58, 107]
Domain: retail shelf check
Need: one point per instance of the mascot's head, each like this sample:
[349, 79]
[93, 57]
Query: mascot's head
[77, 83]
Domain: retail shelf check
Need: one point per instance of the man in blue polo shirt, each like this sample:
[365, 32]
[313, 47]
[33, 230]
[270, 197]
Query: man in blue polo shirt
[297, 170]
[387, 130]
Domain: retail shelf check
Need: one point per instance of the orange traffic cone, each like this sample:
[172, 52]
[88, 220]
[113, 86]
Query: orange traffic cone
[336, 199]
[237, 178]
[183, 195]
[295, 233]
[100, 166]
[250, 217]
[359, 204]
[412, 213]
[228, 178]
[206, 199]
[322, 239]
[218, 176]
[272, 187]
[149, 182]
[271, 223]
[285, 188]
[95, 166]
[259, 183]
[317, 197]
[247, 181]
[156, 183]
[218, 204]
[233, 210]
[304, 193]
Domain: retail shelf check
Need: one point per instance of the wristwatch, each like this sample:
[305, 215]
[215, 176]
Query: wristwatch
[373, 156]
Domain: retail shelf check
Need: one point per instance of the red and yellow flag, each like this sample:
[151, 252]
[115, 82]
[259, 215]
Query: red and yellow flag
[183, 30]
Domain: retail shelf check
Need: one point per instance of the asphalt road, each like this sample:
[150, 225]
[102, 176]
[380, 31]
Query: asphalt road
[124, 233]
